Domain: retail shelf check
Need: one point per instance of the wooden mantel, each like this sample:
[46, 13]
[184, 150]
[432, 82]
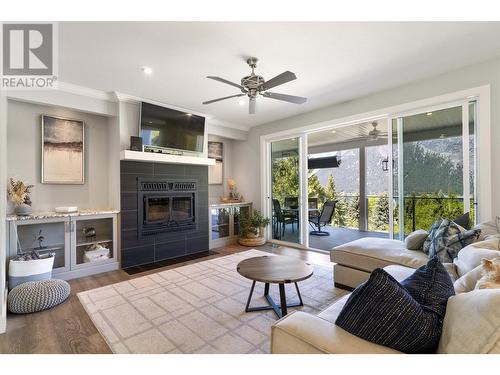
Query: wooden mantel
[164, 158]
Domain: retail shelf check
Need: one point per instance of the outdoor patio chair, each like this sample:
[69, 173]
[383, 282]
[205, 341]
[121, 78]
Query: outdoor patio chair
[323, 219]
[281, 220]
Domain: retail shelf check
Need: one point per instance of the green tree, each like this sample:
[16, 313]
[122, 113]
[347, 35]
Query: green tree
[341, 218]
[330, 188]
[380, 213]
[353, 211]
[315, 189]
[285, 178]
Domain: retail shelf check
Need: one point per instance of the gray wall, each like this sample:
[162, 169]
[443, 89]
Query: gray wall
[24, 157]
[246, 163]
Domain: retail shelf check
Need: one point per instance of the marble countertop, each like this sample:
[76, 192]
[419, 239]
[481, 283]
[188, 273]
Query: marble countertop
[222, 204]
[53, 214]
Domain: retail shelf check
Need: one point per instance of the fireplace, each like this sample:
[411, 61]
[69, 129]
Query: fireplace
[166, 206]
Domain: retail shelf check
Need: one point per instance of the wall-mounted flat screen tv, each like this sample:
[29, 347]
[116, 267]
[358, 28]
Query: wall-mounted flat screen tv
[167, 128]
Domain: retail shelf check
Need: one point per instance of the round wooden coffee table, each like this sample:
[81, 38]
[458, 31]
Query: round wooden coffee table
[274, 269]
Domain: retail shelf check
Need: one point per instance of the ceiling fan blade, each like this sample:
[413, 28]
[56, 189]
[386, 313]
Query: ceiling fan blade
[279, 80]
[226, 82]
[285, 98]
[224, 98]
[252, 106]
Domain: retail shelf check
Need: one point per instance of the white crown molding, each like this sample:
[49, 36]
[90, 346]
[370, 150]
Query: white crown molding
[116, 96]
[85, 91]
[122, 97]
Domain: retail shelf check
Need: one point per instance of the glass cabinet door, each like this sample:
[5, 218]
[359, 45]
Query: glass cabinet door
[94, 240]
[238, 213]
[44, 238]
[219, 218]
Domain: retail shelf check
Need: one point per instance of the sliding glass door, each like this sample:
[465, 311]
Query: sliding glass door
[433, 167]
[286, 190]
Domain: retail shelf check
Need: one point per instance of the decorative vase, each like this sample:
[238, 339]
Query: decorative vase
[23, 210]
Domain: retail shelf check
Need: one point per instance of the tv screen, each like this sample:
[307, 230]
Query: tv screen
[168, 128]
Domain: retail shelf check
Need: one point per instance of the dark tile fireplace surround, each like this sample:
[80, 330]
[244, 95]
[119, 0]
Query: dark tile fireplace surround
[164, 211]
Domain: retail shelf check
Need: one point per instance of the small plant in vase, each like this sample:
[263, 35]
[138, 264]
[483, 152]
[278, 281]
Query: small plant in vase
[252, 229]
[19, 193]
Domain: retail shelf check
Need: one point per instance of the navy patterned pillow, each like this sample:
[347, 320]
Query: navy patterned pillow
[448, 240]
[384, 312]
[430, 286]
[427, 243]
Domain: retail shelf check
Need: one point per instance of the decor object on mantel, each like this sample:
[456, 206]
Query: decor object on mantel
[234, 196]
[252, 229]
[19, 193]
[63, 151]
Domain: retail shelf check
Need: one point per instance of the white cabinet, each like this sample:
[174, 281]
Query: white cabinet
[225, 222]
[83, 244]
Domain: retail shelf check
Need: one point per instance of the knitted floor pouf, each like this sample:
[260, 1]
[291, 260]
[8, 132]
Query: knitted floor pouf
[36, 296]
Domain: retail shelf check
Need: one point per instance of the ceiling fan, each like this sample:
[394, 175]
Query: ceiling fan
[254, 85]
[374, 134]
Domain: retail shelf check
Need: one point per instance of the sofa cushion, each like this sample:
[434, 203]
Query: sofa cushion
[448, 240]
[415, 240]
[470, 256]
[468, 282]
[461, 334]
[369, 253]
[383, 311]
[488, 228]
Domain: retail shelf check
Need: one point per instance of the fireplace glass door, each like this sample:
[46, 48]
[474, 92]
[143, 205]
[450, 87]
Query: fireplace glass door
[157, 209]
[182, 208]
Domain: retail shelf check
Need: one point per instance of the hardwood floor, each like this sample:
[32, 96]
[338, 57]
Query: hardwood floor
[68, 329]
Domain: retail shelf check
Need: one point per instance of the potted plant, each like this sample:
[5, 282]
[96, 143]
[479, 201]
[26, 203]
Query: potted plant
[252, 229]
[19, 193]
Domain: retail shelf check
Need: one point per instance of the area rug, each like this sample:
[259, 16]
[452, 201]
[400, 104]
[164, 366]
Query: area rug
[198, 308]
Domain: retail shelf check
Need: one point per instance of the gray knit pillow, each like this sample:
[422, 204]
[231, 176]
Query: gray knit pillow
[36, 296]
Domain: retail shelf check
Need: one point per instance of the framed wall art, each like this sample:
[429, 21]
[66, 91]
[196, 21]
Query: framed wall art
[216, 172]
[63, 151]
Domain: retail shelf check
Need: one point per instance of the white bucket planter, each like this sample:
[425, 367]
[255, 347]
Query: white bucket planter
[22, 271]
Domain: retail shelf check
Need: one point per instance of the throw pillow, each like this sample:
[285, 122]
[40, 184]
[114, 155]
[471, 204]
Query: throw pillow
[488, 228]
[463, 221]
[472, 323]
[430, 286]
[448, 240]
[416, 239]
[382, 311]
[468, 282]
[470, 256]
[427, 243]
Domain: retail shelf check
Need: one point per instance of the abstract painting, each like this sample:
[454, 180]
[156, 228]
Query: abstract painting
[63, 156]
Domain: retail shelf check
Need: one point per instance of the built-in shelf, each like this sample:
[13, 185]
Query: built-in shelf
[164, 158]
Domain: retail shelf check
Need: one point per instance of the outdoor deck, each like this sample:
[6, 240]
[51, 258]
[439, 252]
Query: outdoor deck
[338, 236]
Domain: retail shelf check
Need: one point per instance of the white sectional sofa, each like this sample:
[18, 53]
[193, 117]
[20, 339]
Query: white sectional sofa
[303, 333]
[472, 321]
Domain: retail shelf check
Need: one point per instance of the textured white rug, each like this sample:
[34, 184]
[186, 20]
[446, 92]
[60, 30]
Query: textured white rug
[198, 308]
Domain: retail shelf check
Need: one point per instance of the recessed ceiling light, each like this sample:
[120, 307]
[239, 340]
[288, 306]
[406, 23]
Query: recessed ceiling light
[334, 131]
[241, 102]
[429, 113]
[147, 70]
[189, 114]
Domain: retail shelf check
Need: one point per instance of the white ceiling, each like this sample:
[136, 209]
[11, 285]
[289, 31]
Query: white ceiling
[334, 62]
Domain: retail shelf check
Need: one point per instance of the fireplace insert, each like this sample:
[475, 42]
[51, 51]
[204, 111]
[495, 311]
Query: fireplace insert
[166, 206]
